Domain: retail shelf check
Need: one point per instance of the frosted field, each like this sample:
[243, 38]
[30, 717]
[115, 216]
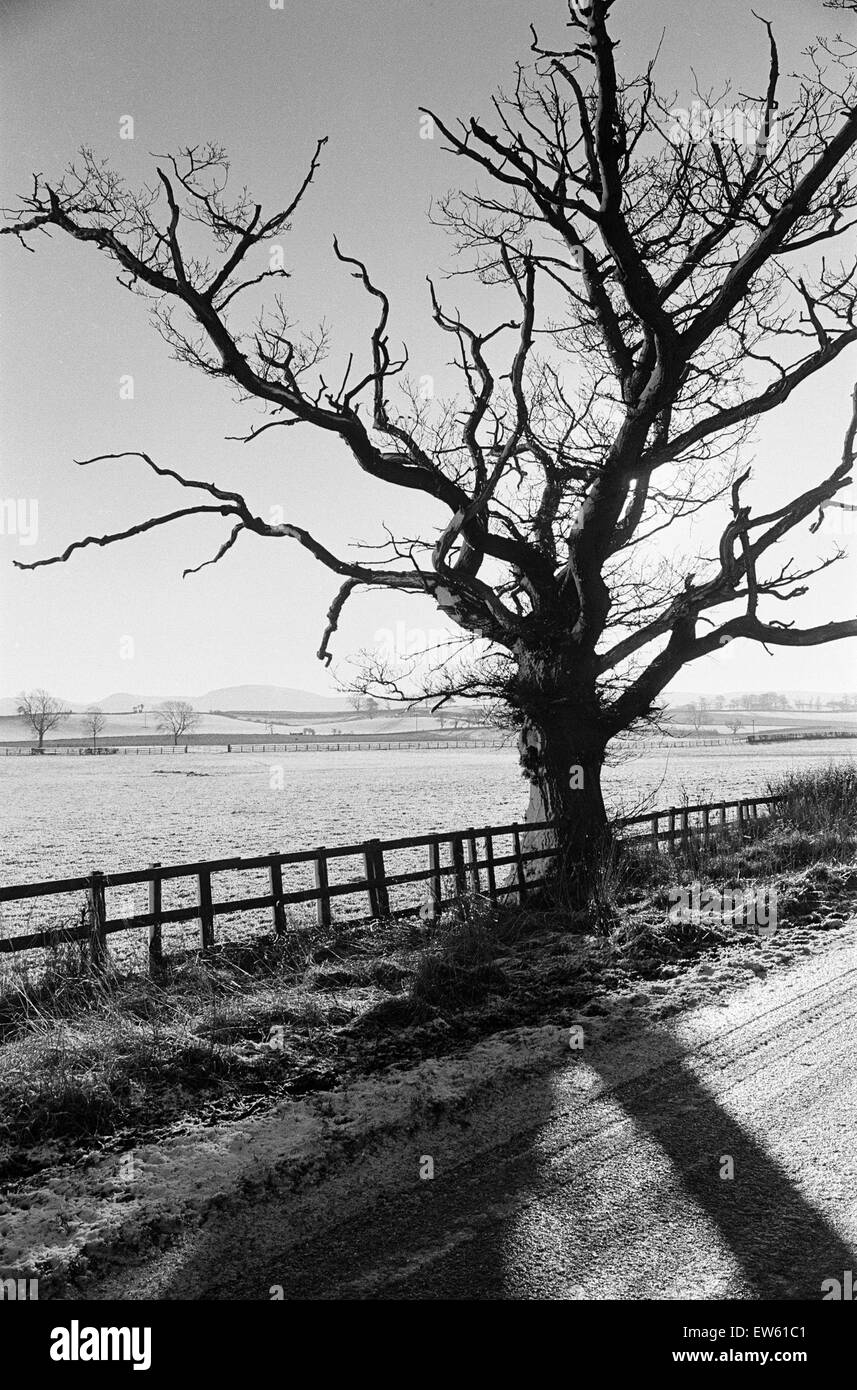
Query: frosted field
[66, 816]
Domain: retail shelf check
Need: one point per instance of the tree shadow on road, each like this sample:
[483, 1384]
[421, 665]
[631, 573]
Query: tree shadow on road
[517, 1220]
[783, 1245]
[763, 1224]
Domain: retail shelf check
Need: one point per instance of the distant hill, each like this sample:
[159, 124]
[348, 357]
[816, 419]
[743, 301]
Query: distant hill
[230, 697]
[268, 697]
[283, 698]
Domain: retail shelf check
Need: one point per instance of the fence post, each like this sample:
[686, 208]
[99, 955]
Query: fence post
[381, 894]
[684, 829]
[489, 866]
[278, 910]
[376, 879]
[322, 883]
[519, 863]
[473, 865]
[723, 816]
[741, 805]
[654, 833]
[436, 880]
[671, 829]
[206, 916]
[706, 812]
[369, 870]
[458, 866]
[98, 912]
[155, 945]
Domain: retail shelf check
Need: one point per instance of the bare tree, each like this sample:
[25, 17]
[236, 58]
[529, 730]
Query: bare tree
[42, 712]
[176, 717]
[95, 720]
[668, 291]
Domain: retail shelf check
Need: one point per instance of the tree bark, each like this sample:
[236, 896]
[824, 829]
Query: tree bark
[561, 750]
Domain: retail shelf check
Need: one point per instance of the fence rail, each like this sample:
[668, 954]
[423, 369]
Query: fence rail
[466, 870]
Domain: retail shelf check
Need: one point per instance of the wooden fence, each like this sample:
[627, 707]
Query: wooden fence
[463, 861]
[321, 745]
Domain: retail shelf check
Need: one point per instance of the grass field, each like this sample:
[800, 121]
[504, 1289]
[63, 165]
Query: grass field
[255, 728]
[228, 727]
[67, 816]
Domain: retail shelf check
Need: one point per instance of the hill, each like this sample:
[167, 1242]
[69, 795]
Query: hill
[230, 697]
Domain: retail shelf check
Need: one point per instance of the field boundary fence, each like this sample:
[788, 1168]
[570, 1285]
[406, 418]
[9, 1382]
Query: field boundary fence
[456, 863]
[332, 743]
[321, 745]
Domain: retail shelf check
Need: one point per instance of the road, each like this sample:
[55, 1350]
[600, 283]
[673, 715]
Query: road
[709, 1154]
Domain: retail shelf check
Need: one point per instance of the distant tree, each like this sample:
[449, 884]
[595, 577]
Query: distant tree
[357, 702]
[371, 707]
[42, 712]
[735, 725]
[94, 719]
[176, 717]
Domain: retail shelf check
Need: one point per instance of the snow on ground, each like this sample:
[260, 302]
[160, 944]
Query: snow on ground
[126, 1200]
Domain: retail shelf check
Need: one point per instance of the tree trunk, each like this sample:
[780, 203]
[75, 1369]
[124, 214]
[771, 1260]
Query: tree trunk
[561, 750]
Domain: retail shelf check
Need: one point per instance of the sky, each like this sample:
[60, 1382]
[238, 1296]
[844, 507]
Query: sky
[267, 83]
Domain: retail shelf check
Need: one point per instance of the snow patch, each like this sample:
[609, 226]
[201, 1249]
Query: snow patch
[126, 1201]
